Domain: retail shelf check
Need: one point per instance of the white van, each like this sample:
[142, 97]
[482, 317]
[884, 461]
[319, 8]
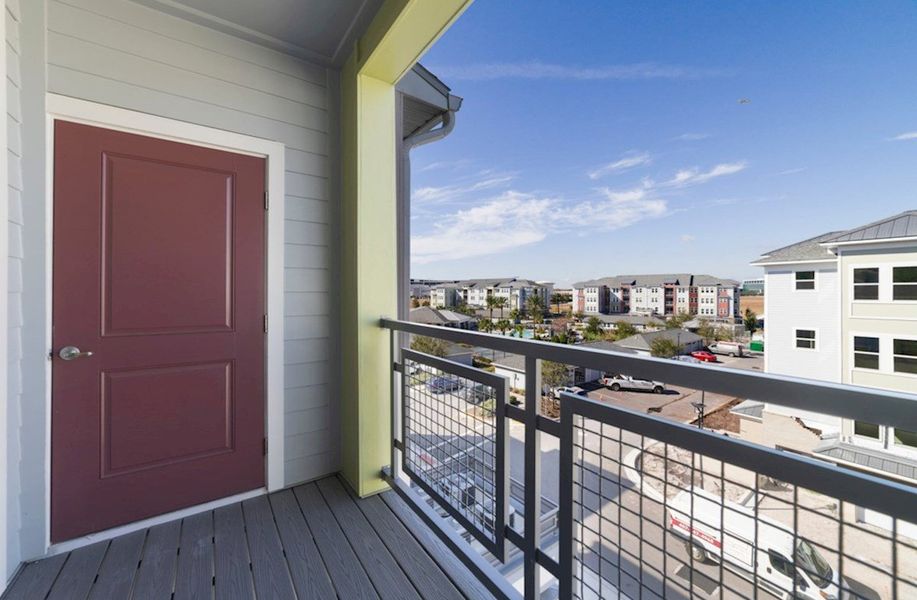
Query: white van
[728, 348]
[723, 531]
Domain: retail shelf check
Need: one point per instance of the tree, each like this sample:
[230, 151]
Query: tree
[725, 333]
[486, 325]
[594, 327]
[500, 302]
[751, 321]
[706, 331]
[535, 306]
[491, 303]
[578, 315]
[553, 374]
[623, 329]
[428, 345]
[520, 330]
[677, 321]
[664, 348]
[415, 303]
[504, 325]
[514, 315]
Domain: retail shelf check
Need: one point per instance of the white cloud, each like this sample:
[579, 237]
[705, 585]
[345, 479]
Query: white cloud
[692, 137]
[490, 181]
[445, 164]
[687, 238]
[541, 70]
[515, 219]
[630, 161]
[910, 135]
[793, 171]
[694, 176]
[503, 223]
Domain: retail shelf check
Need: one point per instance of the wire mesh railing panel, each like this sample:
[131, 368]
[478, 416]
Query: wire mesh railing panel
[454, 435]
[659, 517]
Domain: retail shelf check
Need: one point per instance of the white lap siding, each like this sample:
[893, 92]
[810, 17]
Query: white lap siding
[14, 224]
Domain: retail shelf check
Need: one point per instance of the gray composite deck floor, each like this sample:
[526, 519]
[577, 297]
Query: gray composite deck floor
[316, 540]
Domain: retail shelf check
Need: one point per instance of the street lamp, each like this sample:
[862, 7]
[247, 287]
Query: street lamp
[699, 408]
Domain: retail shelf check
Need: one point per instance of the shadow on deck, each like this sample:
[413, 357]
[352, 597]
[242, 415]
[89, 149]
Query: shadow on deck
[316, 540]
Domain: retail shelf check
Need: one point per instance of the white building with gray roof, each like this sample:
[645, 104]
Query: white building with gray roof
[661, 294]
[842, 307]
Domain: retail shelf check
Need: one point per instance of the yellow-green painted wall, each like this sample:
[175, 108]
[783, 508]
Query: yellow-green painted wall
[398, 36]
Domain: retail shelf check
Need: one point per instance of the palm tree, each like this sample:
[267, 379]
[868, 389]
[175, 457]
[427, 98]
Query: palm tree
[491, 303]
[535, 305]
[520, 330]
[504, 325]
[486, 325]
[556, 299]
[515, 314]
[500, 302]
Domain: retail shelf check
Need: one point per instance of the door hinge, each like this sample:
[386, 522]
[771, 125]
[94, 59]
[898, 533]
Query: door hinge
[264, 446]
[267, 201]
[265, 323]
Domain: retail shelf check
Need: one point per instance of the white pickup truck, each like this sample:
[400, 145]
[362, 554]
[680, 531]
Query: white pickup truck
[626, 382]
[726, 532]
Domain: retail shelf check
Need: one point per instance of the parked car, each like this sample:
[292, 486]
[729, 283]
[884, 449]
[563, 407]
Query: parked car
[626, 382]
[727, 348]
[441, 385]
[687, 359]
[704, 356]
[575, 390]
[721, 531]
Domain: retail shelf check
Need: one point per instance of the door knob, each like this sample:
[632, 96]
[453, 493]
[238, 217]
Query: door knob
[72, 353]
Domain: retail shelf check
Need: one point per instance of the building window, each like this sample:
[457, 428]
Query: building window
[866, 284]
[805, 280]
[906, 438]
[805, 338]
[904, 280]
[866, 352]
[870, 430]
[905, 354]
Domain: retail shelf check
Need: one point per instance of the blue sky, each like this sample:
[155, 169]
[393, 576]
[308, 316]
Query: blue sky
[610, 137]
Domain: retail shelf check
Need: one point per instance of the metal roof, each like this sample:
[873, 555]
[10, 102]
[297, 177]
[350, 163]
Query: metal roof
[898, 226]
[876, 460]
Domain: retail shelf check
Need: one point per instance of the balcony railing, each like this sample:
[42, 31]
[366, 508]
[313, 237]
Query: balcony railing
[646, 507]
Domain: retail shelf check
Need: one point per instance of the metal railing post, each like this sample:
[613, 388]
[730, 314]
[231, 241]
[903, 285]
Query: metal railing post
[532, 477]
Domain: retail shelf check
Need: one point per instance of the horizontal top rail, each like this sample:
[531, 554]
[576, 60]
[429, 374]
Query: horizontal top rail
[863, 489]
[896, 409]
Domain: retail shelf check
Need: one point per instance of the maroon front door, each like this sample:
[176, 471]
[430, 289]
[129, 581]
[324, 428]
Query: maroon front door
[159, 273]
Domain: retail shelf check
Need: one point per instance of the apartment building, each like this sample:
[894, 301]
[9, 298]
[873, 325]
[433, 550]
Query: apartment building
[474, 292]
[660, 294]
[842, 307]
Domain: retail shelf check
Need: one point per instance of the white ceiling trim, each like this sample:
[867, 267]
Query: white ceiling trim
[359, 22]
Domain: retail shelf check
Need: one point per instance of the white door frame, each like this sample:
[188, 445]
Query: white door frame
[119, 119]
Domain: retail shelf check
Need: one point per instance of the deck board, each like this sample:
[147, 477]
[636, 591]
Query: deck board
[315, 541]
[306, 565]
[231, 562]
[156, 575]
[194, 577]
[390, 582]
[269, 566]
[78, 573]
[118, 569]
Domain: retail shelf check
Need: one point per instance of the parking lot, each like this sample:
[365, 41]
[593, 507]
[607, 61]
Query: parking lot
[676, 403]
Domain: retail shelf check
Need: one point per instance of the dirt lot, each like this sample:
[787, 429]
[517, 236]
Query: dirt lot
[755, 303]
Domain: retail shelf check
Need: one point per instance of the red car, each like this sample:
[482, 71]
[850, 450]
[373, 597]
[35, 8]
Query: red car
[704, 355]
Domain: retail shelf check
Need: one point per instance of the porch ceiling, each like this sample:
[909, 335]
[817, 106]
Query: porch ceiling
[317, 30]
